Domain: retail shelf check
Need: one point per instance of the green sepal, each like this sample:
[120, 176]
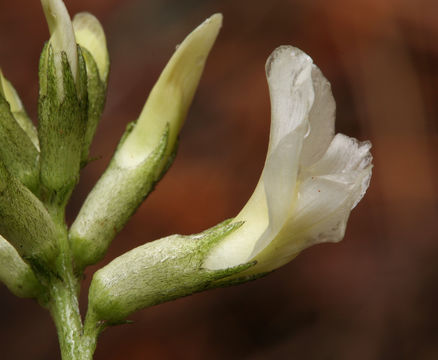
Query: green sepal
[111, 203]
[240, 278]
[27, 125]
[61, 128]
[42, 69]
[16, 274]
[96, 102]
[17, 109]
[156, 272]
[26, 223]
[17, 151]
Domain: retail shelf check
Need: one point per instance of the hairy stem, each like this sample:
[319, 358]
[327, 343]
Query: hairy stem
[77, 342]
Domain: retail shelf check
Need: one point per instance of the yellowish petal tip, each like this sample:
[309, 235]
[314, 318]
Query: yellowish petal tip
[170, 99]
[216, 18]
[214, 22]
[62, 37]
[91, 36]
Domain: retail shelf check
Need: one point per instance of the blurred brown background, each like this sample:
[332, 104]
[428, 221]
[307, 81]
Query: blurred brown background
[372, 296]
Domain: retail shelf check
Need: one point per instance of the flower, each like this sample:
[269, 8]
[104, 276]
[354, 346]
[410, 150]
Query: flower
[311, 180]
[146, 150]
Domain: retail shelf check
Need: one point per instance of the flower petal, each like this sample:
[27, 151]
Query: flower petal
[288, 71]
[344, 155]
[171, 96]
[321, 120]
[90, 35]
[62, 36]
[324, 203]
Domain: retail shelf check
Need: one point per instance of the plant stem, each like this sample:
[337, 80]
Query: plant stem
[65, 312]
[77, 342]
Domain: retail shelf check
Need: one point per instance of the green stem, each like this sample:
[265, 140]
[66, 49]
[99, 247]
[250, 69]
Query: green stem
[65, 312]
[92, 329]
[77, 342]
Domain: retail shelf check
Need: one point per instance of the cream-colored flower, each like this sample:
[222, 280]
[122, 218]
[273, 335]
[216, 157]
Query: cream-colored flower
[310, 182]
[312, 179]
[147, 149]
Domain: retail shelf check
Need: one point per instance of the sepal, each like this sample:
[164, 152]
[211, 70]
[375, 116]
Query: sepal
[17, 151]
[17, 109]
[96, 102]
[62, 123]
[90, 37]
[111, 203]
[26, 223]
[156, 272]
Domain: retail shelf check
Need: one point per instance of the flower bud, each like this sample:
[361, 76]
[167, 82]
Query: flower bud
[26, 223]
[170, 98]
[62, 106]
[145, 151]
[15, 273]
[17, 150]
[91, 38]
[17, 109]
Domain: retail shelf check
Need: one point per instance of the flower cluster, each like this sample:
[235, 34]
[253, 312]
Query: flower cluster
[311, 181]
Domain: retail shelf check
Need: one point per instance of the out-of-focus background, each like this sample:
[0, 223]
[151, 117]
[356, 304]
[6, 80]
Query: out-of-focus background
[372, 296]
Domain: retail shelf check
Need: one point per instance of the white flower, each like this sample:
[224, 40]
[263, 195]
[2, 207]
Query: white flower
[311, 179]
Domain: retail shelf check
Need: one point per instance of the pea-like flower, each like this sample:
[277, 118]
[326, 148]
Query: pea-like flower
[311, 180]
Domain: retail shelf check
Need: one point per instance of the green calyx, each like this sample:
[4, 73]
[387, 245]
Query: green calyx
[62, 125]
[156, 272]
[96, 102]
[8, 92]
[26, 223]
[112, 202]
[17, 151]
